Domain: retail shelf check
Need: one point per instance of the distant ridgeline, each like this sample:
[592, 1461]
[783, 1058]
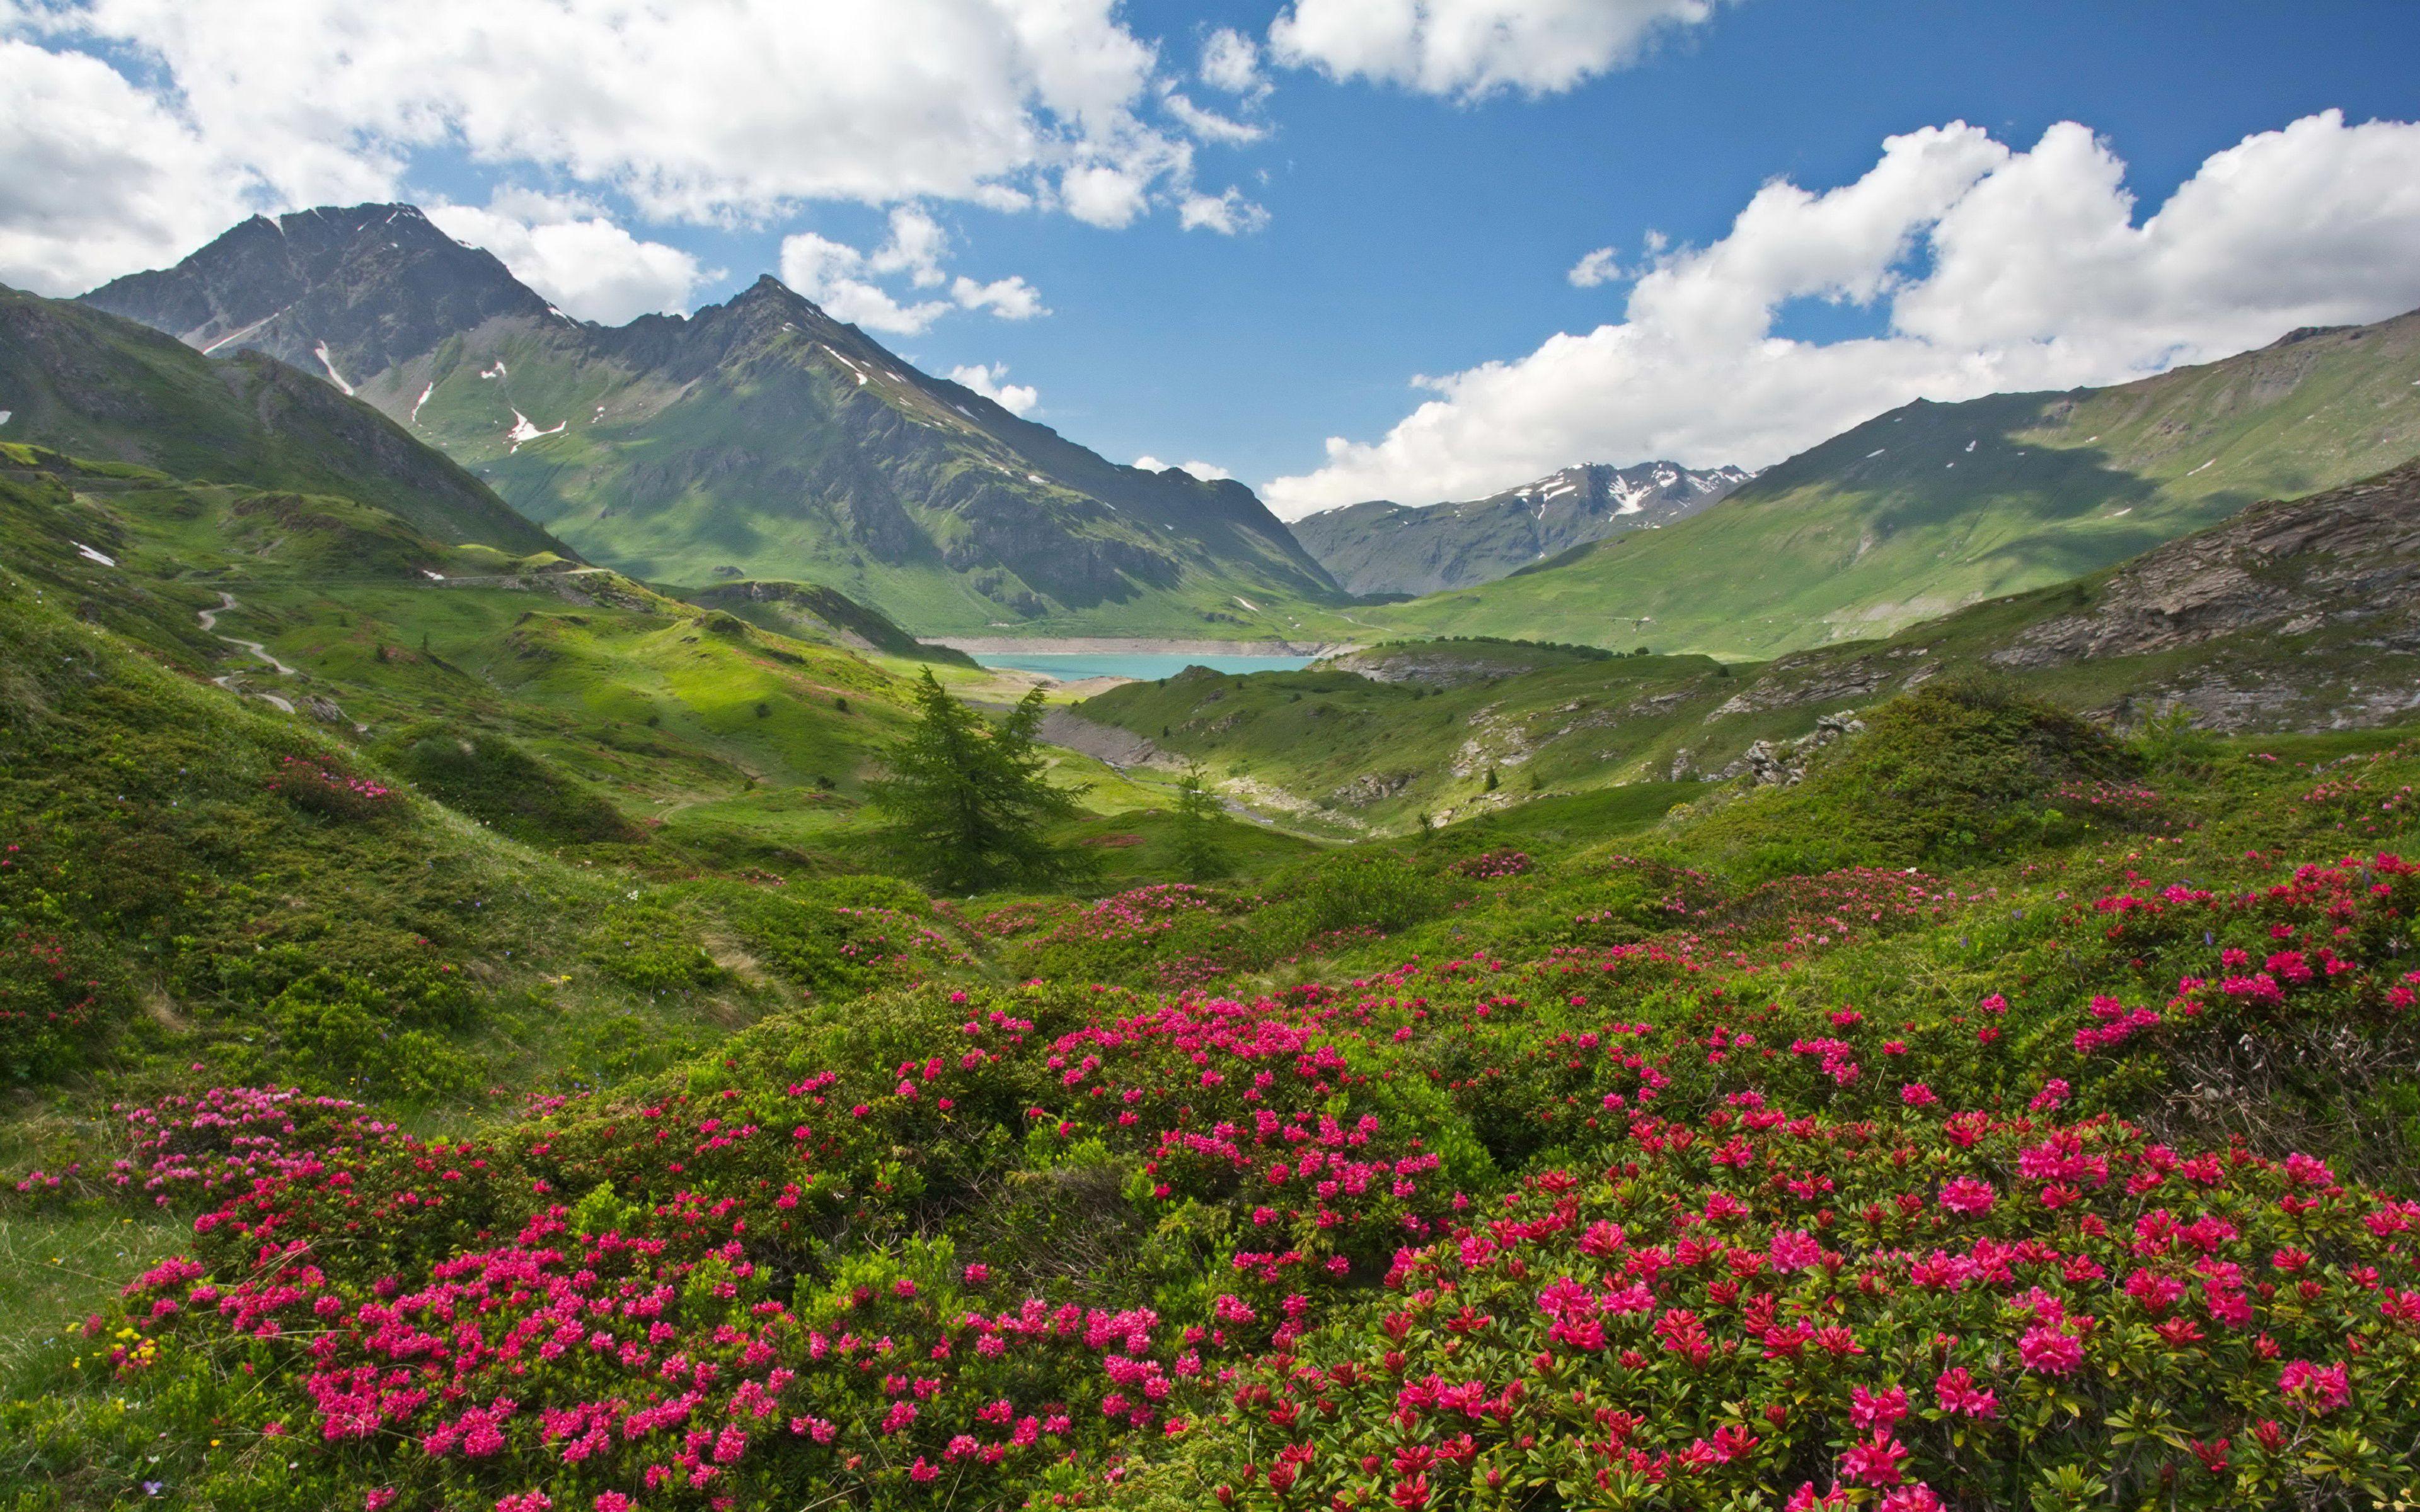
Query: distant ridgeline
[1380, 548]
[755, 440]
[1934, 506]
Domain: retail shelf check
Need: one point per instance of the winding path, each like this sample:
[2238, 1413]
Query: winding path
[209, 619]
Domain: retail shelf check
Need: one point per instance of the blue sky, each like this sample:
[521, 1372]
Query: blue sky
[1407, 232]
[1409, 235]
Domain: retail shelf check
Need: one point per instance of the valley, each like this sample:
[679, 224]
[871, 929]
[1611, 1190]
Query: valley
[685, 916]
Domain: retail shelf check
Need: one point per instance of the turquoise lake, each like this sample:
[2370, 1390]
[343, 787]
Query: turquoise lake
[1072, 666]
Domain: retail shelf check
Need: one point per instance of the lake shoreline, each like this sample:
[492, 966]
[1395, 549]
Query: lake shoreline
[1133, 646]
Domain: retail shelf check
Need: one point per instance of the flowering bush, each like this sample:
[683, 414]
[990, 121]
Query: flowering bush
[323, 788]
[48, 1002]
[1965, 1311]
[1492, 865]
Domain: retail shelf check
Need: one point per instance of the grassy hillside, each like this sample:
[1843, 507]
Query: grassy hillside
[761, 440]
[96, 386]
[1934, 506]
[2289, 615]
[711, 741]
[1541, 1161]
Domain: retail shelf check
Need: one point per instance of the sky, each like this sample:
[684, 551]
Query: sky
[1339, 249]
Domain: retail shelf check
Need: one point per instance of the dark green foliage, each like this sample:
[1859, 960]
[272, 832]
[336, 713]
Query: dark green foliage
[968, 806]
[495, 779]
[1376, 889]
[1201, 855]
[1958, 770]
[651, 949]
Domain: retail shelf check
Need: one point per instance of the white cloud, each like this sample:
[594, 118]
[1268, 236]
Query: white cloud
[2039, 276]
[843, 280]
[1016, 398]
[1232, 61]
[704, 111]
[582, 262]
[101, 179]
[1227, 214]
[1209, 125]
[1010, 298]
[1597, 268]
[1474, 48]
[1104, 194]
[1207, 471]
[915, 248]
[833, 274]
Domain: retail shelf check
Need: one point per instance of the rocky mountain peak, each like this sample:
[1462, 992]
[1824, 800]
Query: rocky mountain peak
[342, 291]
[1384, 547]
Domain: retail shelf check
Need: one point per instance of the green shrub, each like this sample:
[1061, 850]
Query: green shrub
[649, 947]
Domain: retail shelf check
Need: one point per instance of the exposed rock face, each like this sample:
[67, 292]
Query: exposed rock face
[2345, 559]
[1382, 547]
[1434, 664]
[370, 285]
[1783, 764]
[1106, 742]
[1373, 787]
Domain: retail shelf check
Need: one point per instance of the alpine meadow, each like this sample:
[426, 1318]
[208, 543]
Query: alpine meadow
[1742, 839]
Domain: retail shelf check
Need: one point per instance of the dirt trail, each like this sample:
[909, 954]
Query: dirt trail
[209, 621]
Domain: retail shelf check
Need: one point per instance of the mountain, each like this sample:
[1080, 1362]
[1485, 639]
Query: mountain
[1935, 506]
[2291, 615]
[332, 291]
[92, 385]
[757, 438]
[812, 612]
[1383, 547]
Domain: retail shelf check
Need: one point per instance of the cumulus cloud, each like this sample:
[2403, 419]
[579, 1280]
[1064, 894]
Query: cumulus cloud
[1105, 194]
[991, 382]
[1010, 298]
[843, 280]
[1994, 269]
[1232, 61]
[1229, 214]
[103, 180]
[1474, 48]
[178, 118]
[581, 261]
[1207, 471]
[1596, 268]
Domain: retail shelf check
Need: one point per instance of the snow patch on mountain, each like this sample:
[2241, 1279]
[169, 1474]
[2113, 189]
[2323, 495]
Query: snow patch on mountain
[321, 351]
[525, 430]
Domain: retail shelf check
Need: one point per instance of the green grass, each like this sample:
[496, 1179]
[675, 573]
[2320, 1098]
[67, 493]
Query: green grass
[1934, 506]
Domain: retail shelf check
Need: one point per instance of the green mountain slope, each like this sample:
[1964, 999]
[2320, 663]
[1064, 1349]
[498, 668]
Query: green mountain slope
[757, 438]
[1936, 505]
[2289, 615]
[96, 386]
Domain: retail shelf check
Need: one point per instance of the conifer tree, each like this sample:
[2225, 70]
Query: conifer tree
[1201, 853]
[967, 806]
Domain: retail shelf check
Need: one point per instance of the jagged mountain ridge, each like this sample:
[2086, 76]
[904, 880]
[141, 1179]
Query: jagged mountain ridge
[333, 291]
[756, 439]
[1931, 506]
[1384, 547]
[93, 385]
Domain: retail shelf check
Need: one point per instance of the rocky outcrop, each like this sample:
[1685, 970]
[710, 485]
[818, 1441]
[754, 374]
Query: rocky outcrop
[2346, 560]
[1106, 742]
[1783, 763]
[1373, 787]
